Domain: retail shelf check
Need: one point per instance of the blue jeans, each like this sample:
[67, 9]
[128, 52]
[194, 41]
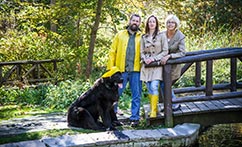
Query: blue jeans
[173, 96]
[135, 86]
[153, 87]
[162, 85]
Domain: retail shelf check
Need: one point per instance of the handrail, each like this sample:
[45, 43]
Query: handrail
[30, 61]
[197, 57]
[211, 51]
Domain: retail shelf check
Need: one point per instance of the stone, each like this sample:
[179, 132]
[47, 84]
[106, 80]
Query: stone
[32, 143]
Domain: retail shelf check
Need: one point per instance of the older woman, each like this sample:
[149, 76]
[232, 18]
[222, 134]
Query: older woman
[176, 45]
[153, 48]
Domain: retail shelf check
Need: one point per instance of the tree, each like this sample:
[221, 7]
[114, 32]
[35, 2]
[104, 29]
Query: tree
[93, 38]
[52, 25]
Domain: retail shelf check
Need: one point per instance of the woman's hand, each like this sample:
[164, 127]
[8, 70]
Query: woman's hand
[164, 59]
[148, 60]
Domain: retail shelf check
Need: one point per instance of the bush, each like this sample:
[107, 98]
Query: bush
[33, 96]
[62, 95]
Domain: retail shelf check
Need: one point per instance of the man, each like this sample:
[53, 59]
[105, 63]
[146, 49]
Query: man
[125, 54]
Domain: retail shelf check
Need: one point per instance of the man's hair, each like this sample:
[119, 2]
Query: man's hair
[135, 15]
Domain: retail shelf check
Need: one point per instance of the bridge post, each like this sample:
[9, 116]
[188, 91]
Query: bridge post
[209, 78]
[55, 65]
[19, 72]
[1, 75]
[167, 96]
[38, 70]
[198, 74]
[233, 70]
[55, 69]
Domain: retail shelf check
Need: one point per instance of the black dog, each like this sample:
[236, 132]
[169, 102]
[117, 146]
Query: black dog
[95, 103]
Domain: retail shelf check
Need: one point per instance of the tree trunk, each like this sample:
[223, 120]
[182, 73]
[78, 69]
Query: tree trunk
[52, 25]
[78, 41]
[93, 38]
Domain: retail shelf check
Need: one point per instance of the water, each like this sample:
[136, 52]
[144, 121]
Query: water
[223, 135]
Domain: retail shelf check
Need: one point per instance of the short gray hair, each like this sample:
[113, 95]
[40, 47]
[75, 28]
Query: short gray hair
[173, 17]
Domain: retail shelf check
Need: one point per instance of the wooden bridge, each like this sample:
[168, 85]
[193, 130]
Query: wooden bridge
[206, 104]
[28, 72]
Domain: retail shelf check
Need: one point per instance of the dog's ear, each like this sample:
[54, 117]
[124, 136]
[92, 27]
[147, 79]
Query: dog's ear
[117, 77]
[98, 82]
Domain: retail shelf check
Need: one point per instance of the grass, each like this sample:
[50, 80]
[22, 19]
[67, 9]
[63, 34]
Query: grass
[20, 111]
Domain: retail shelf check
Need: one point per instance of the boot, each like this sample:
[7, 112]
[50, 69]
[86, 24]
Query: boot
[153, 105]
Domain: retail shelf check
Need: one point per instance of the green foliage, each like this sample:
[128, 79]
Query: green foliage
[231, 136]
[199, 16]
[24, 96]
[50, 96]
[186, 80]
[11, 111]
[62, 95]
[31, 46]
[25, 28]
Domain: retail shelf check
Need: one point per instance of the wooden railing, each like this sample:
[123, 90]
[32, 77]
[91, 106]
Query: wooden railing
[197, 57]
[31, 71]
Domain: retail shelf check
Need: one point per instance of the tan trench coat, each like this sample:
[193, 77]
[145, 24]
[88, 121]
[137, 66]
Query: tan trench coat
[176, 47]
[155, 48]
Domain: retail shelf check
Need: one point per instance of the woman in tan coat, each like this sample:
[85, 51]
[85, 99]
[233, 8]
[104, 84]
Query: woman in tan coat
[153, 48]
[176, 45]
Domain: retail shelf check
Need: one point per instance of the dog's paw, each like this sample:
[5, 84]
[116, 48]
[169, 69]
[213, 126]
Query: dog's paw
[111, 129]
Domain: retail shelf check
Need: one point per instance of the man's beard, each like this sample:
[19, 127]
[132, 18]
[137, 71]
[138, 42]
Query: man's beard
[134, 27]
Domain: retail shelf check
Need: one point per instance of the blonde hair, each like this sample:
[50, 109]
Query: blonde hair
[173, 17]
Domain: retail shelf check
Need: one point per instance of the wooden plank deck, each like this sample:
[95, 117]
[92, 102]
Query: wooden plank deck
[203, 112]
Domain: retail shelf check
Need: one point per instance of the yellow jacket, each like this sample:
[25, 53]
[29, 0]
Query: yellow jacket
[117, 54]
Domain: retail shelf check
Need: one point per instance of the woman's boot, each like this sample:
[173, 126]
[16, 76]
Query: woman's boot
[153, 105]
